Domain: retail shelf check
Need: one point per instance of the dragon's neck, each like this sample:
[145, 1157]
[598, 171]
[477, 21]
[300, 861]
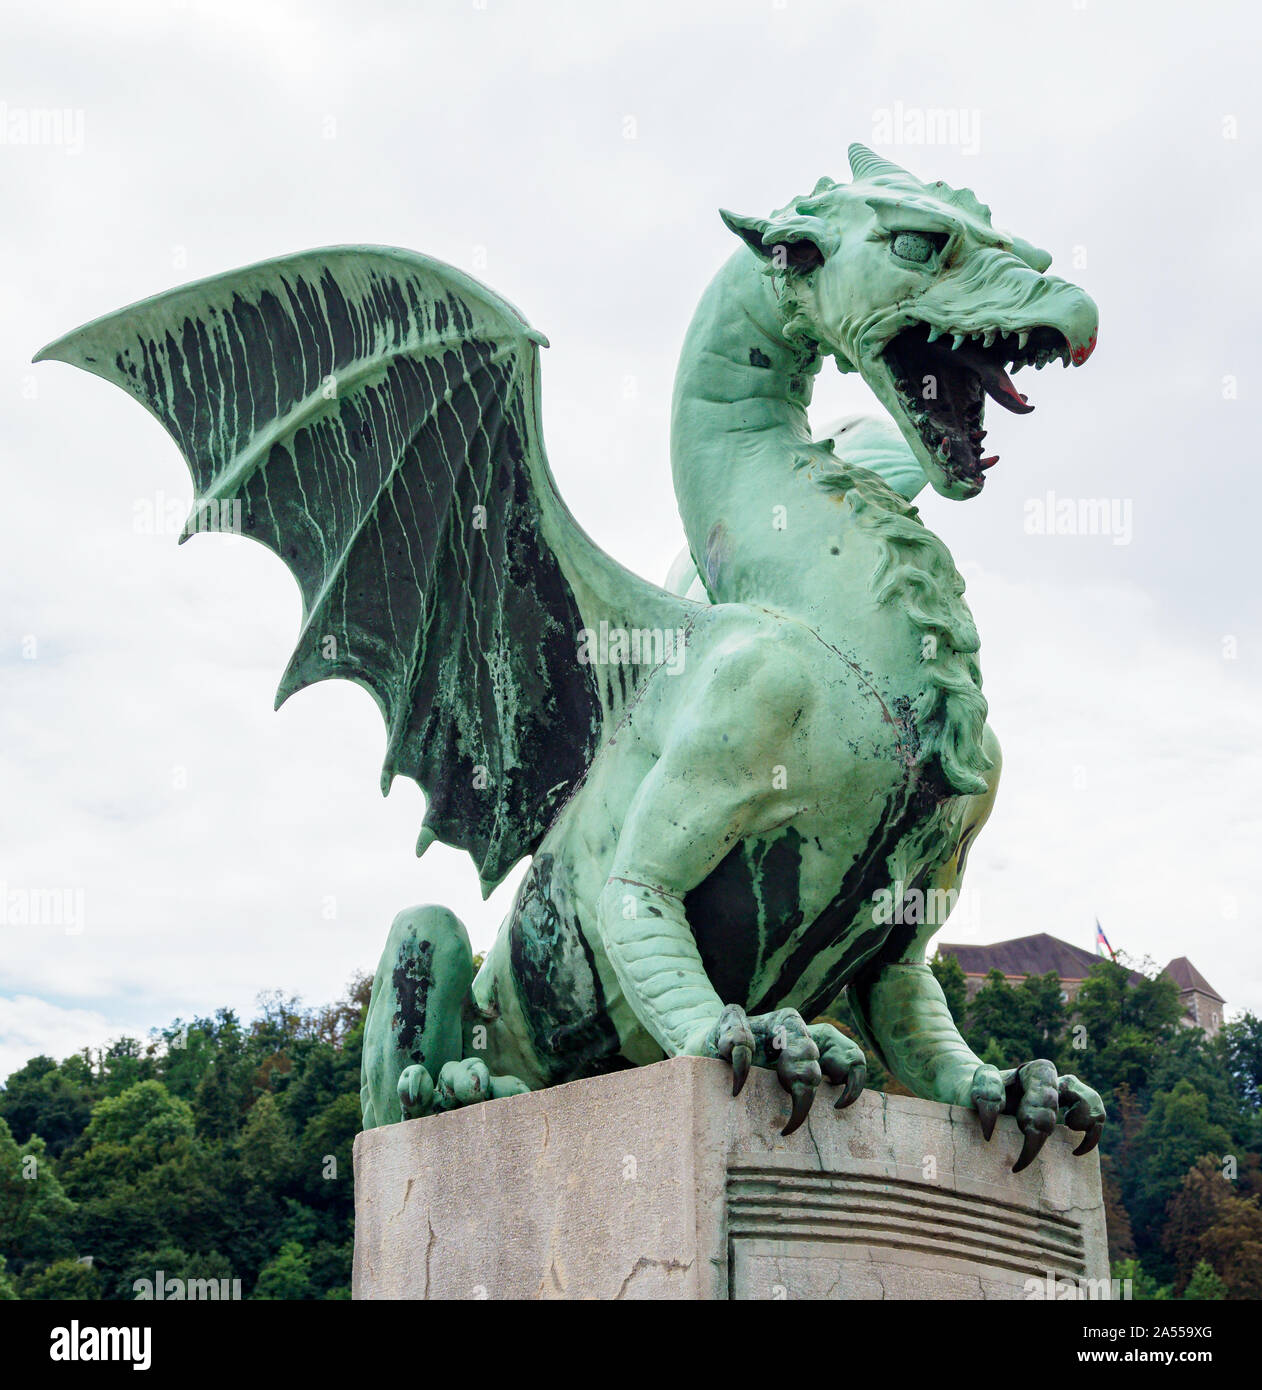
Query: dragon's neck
[746, 471]
[775, 520]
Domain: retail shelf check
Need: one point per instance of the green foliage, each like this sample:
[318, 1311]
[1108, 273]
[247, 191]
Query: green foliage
[214, 1150]
[1204, 1283]
[949, 974]
[287, 1276]
[171, 1262]
[1009, 1025]
[1242, 1039]
[63, 1279]
[1177, 1131]
[1128, 1024]
[1142, 1284]
[34, 1209]
[45, 1099]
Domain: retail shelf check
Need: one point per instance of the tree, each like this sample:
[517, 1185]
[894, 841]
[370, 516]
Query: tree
[1016, 1025]
[1242, 1039]
[1211, 1224]
[1126, 1023]
[325, 1152]
[1204, 1283]
[34, 1209]
[45, 1099]
[267, 1144]
[287, 1276]
[127, 1135]
[172, 1262]
[63, 1279]
[145, 1114]
[1117, 1219]
[1176, 1132]
[949, 974]
[1142, 1284]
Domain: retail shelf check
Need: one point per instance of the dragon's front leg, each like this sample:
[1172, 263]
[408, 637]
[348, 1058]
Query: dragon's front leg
[711, 787]
[903, 1012]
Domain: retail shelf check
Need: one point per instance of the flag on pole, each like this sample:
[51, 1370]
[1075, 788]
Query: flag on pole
[1102, 942]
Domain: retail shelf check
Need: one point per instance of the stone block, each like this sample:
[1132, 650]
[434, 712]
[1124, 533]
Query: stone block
[656, 1183]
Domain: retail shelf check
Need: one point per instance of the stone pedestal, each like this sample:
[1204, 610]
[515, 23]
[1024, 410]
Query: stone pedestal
[656, 1183]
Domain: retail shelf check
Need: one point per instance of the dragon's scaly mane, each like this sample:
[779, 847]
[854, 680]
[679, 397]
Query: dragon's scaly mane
[916, 573]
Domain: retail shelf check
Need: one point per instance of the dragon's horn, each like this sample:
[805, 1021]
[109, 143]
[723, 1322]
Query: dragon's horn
[866, 165]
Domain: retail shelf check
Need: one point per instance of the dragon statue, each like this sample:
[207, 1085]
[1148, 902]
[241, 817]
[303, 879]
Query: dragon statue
[716, 781]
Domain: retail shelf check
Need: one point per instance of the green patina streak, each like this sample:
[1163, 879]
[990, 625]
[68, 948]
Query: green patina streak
[717, 780]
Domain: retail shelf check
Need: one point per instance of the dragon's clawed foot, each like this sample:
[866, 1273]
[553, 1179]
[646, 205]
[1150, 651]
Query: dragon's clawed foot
[459, 1083]
[801, 1055]
[1035, 1094]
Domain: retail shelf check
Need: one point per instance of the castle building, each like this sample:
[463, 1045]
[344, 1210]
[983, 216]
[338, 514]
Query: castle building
[1201, 1001]
[1041, 954]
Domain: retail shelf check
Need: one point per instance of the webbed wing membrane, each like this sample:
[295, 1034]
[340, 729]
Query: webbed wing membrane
[372, 416]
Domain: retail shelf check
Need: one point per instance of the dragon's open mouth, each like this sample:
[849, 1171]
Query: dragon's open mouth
[942, 378]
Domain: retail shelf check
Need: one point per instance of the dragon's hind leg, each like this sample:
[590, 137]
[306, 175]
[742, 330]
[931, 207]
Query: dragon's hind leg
[414, 1031]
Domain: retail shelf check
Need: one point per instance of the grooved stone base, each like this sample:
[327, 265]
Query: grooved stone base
[655, 1183]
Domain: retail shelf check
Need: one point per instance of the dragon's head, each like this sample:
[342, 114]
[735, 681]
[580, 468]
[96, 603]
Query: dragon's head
[909, 284]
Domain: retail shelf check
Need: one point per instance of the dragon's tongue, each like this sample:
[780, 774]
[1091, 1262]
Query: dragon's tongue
[999, 387]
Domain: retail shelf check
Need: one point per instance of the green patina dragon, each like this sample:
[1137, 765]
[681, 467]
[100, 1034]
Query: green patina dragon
[718, 785]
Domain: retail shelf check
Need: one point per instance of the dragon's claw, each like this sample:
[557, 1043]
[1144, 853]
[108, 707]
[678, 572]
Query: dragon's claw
[1035, 1094]
[801, 1055]
[732, 1040]
[468, 1081]
[803, 1094]
[416, 1091]
[787, 1045]
[842, 1062]
[853, 1087]
[988, 1096]
[742, 1060]
[1084, 1112]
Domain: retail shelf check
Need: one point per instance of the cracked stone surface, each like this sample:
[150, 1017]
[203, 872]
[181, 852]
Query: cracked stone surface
[656, 1183]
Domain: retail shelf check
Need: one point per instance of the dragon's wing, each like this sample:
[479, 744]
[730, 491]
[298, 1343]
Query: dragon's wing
[372, 416]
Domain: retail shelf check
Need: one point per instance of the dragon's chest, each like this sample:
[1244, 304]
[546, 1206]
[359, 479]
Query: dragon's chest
[788, 920]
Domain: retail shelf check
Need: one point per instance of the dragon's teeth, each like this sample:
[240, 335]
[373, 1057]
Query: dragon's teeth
[1022, 338]
[988, 339]
[934, 334]
[958, 338]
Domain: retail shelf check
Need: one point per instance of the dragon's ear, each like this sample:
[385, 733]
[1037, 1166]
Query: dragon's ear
[791, 242]
[1031, 255]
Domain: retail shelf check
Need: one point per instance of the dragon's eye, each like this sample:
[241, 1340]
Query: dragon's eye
[918, 247]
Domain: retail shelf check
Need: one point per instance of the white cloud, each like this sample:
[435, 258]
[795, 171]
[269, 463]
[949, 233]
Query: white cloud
[31, 1027]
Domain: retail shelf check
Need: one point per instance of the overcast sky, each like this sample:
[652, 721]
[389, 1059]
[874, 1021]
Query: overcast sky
[573, 157]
